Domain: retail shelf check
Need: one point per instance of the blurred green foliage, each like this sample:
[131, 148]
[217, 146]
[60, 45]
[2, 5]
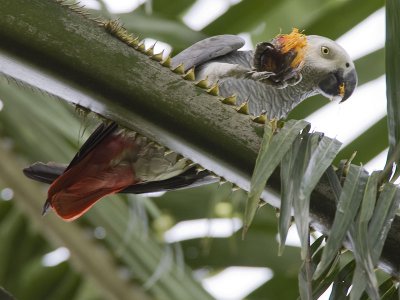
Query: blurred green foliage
[34, 126]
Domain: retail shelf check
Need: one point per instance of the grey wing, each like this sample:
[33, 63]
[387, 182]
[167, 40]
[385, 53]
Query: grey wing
[206, 50]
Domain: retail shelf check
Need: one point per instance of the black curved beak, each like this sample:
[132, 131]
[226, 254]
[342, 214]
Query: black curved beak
[339, 83]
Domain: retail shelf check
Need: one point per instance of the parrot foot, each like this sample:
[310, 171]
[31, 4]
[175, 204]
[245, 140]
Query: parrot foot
[283, 66]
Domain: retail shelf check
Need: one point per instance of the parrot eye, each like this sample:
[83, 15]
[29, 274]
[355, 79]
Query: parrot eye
[325, 50]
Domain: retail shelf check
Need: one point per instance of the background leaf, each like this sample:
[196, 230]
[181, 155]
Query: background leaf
[364, 273]
[393, 73]
[273, 148]
[347, 207]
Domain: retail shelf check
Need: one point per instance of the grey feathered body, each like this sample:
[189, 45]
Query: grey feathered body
[262, 97]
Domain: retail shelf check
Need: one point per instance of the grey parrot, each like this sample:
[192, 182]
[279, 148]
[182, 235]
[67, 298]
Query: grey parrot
[273, 79]
[325, 68]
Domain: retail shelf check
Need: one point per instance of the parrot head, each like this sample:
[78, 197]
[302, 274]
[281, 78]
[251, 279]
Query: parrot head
[322, 64]
[330, 67]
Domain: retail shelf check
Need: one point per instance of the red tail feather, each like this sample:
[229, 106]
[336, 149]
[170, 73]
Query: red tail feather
[103, 171]
[71, 206]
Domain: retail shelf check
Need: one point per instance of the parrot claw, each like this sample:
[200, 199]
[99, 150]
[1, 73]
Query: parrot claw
[46, 207]
[259, 76]
[295, 79]
[280, 85]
